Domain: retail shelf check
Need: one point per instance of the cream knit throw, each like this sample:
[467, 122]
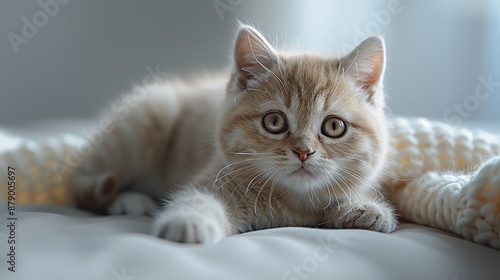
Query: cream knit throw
[444, 177]
[447, 178]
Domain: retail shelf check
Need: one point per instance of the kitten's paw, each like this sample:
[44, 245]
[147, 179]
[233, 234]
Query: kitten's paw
[132, 203]
[371, 215]
[94, 192]
[193, 217]
[188, 228]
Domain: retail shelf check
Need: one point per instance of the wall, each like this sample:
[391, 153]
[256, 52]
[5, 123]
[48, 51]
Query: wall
[89, 52]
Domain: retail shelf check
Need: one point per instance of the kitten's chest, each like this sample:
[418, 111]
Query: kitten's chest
[262, 207]
[279, 215]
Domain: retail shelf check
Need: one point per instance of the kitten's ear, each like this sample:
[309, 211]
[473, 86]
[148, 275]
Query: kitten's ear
[253, 56]
[366, 63]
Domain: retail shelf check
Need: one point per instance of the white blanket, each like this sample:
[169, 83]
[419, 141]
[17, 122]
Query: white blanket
[60, 243]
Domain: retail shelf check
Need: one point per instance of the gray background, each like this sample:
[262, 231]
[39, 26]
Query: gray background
[90, 52]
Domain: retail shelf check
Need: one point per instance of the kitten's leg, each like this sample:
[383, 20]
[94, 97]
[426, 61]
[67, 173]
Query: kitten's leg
[128, 147]
[193, 216]
[370, 214]
[91, 190]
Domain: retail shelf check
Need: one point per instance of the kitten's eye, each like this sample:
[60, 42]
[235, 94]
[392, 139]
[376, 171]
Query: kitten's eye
[333, 127]
[274, 123]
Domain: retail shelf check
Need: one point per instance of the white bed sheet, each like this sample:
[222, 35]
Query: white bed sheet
[61, 243]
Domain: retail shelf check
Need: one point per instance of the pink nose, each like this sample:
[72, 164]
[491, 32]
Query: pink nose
[303, 154]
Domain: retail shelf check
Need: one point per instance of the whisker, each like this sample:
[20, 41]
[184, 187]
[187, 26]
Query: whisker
[359, 176]
[335, 177]
[273, 185]
[316, 196]
[263, 185]
[248, 188]
[247, 169]
[229, 165]
[260, 173]
[328, 186]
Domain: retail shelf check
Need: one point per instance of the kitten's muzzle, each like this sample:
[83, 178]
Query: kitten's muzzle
[303, 154]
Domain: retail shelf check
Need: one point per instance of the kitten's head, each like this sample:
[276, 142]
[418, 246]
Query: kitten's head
[305, 122]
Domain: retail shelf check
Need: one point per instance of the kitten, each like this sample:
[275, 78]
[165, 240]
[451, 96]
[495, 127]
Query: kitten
[290, 140]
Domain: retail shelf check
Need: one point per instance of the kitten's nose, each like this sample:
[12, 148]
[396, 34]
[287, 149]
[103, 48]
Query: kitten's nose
[303, 154]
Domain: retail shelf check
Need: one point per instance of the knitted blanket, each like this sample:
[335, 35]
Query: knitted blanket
[447, 178]
[440, 176]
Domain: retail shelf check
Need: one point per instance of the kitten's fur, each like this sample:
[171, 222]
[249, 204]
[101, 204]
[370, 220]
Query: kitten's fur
[209, 136]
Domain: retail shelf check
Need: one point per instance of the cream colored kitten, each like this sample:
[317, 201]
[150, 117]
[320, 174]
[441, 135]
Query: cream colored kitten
[283, 140]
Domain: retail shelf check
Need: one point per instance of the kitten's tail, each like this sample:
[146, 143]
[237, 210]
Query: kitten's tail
[36, 172]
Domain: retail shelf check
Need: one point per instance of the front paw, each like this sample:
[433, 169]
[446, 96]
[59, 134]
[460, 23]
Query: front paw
[370, 215]
[181, 227]
[131, 203]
